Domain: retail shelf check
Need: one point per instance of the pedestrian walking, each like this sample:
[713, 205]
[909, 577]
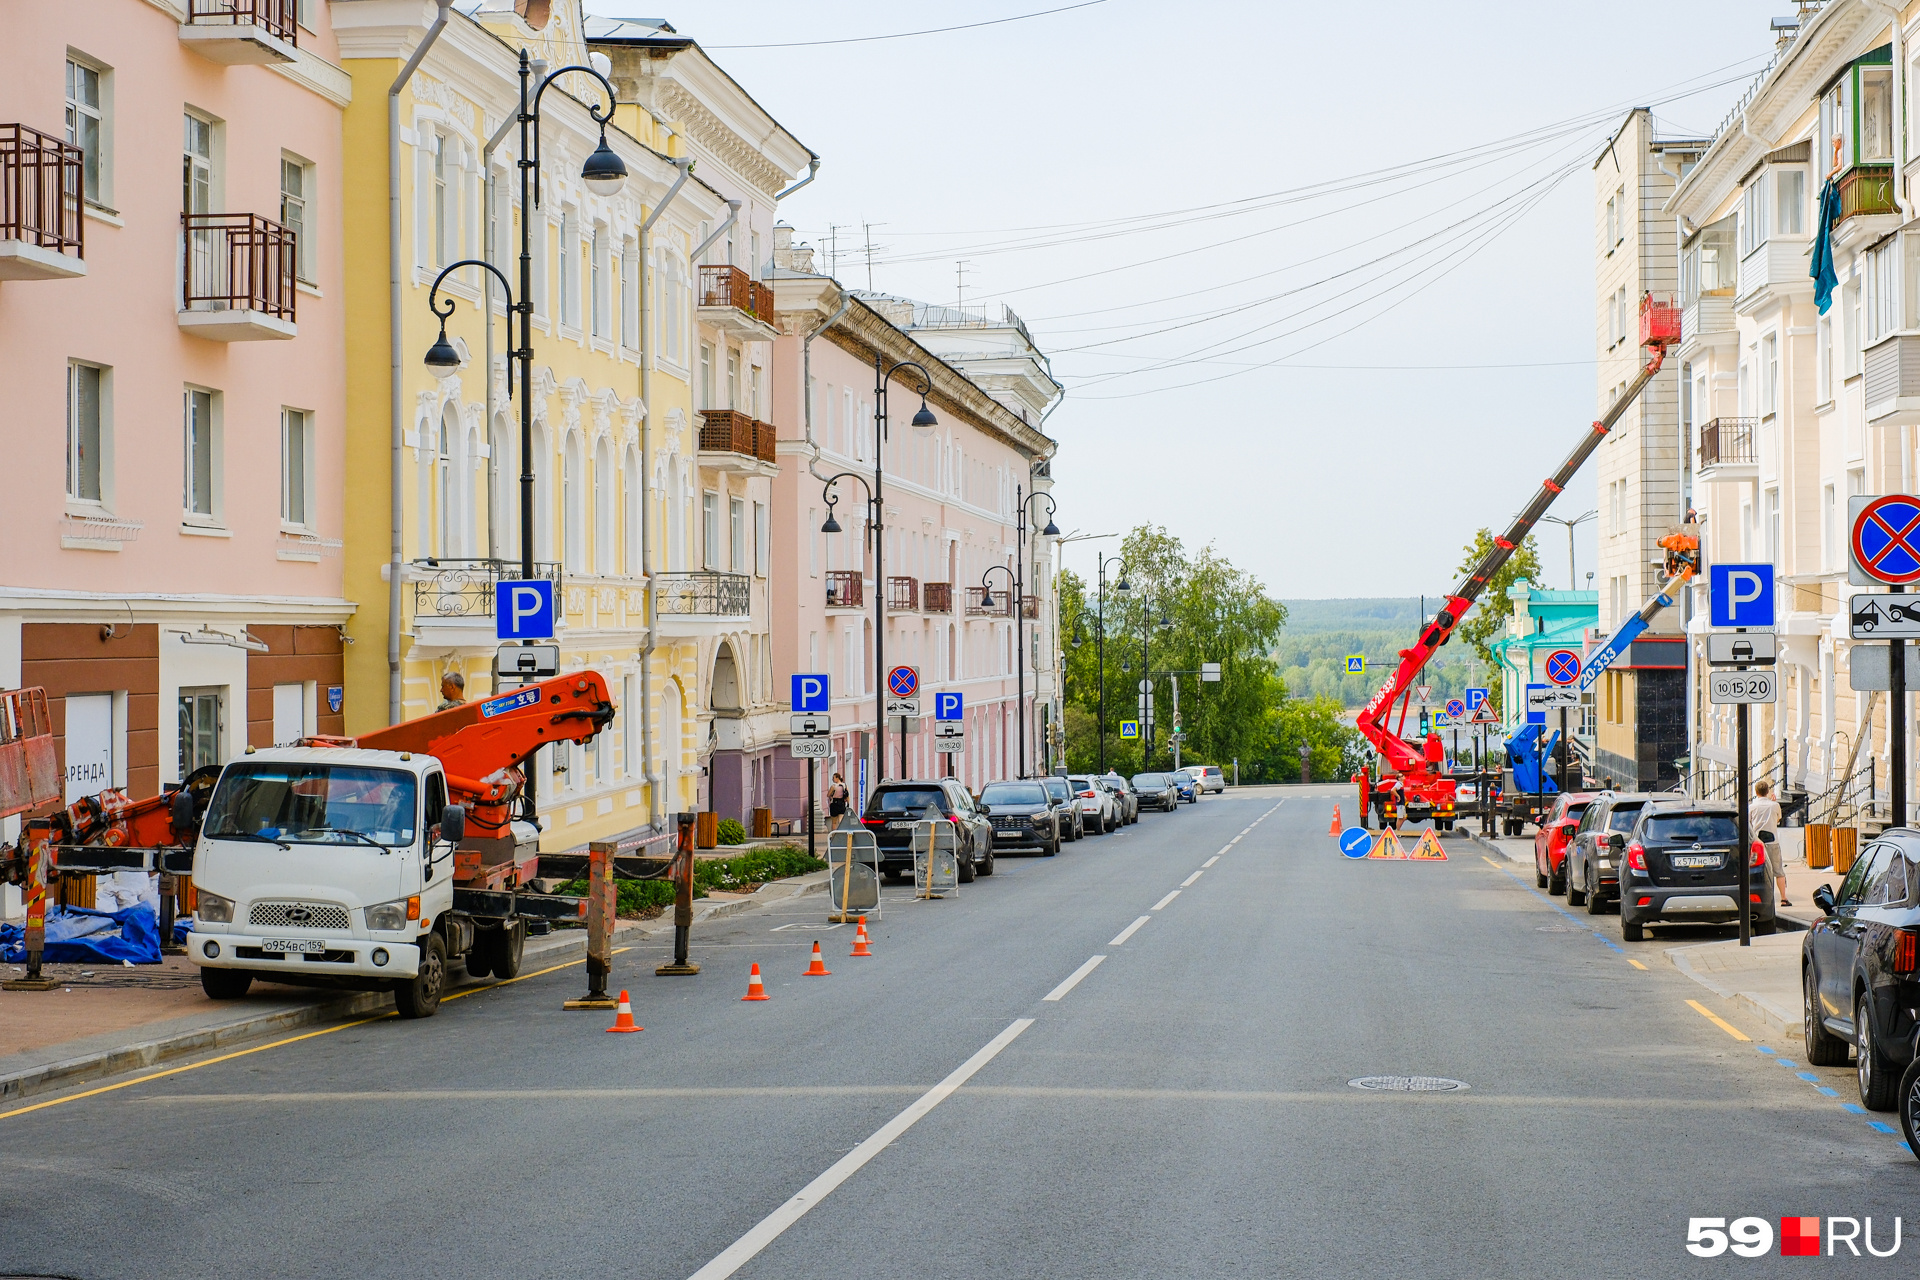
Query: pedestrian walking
[1763, 819]
[453, 691]
[836, 802]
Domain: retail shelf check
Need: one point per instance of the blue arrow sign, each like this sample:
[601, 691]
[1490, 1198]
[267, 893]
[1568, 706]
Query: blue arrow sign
[1356, 841]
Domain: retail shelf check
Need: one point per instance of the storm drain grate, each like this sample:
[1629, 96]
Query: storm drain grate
[1407, 1084]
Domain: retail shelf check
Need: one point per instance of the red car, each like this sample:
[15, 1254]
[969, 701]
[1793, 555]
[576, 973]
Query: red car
[1550, 841]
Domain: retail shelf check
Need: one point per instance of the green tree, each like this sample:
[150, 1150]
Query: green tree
[1336, 751]
[1489, 614]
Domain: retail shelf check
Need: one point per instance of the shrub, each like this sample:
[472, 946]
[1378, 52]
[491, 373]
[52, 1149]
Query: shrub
[647, 898]
[731, 832]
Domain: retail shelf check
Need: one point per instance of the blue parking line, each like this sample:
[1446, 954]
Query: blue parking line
[1820, 1088]
[1852, 1108]
[1808, 1076]
[1882, 1127]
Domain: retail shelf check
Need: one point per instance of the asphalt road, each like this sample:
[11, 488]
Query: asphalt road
[1184, 1110]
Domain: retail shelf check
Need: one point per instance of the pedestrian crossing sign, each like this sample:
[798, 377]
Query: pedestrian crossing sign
[1129, 728]
[1356, 664]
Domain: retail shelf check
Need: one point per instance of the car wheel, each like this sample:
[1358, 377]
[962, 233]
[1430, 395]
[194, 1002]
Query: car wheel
[1576, 896]
[1051, 847]
[1824, 1049]
[1910, 1106]
[419, 996]
[1633, 931]
[1539, 876]
[966, 870]
[1878, 1087]
[985, 868]
[1596, 900]
[1557, 885]
[225, 984]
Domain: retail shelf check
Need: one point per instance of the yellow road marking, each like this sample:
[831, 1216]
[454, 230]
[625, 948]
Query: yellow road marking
[1636, 964]
[1490, 862]
[1719, 1021]
[262, 1048]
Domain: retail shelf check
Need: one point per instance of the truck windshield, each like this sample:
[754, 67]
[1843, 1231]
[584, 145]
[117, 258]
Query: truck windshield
[313, 804]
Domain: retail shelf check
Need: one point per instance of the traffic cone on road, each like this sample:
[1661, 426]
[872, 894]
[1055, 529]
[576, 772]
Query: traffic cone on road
[1334, 830]
[623, 1020]
[755, 991]
[860, 938]
[818, 969]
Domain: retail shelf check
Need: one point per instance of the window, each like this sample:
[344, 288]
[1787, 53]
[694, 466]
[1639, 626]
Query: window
[443, 495]
[1613, 223]
[629, 298]
[1829, 529]
[753, 391]
[604, 514]
[1753, 215]
[761, 549]
[597, 269]
[296, 189]
[1770, 374]
[573, 544]
[1790, 202]
[710, 530]
[737, 535]
[198, 450]
[706, 376]
[199, 730]
[733, 379]
[541, 235]
[630, 726]
[1876, 115]
[1619, 204]
[86, 125]
[1851, 296]
[84, 437]
[569, 287]
[1880, 286]
[196, 194]
[296, 444]
[1823, 360]
[438, 147]
[1773, 526]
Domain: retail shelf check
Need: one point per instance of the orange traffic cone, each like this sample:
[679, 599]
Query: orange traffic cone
[623, 1020]
[1334, 830]
[860, 939]
[818, 969]
[755, 991]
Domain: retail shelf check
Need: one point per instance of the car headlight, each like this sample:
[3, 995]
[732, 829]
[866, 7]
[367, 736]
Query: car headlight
[388, 916]
[213, 908]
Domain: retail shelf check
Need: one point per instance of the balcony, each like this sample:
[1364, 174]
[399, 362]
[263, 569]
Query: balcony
[702, 595]
[1892, 382]
[978, 605]
[845, 589]
[903, 595]
[732, 301]
[237, 277]
[1726, 449]
[1777, 265]
[453, 599]
[40, 222]
[233, 32]
[937, 597]
[1866, 190]
[731, 441]
[1030, 608]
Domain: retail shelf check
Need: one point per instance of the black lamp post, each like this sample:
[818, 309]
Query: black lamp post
[876, 528]
[1018, 576]
[1100, 638]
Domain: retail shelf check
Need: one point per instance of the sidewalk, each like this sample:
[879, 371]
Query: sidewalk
[103, 1019]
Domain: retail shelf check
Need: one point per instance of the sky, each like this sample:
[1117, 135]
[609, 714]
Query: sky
[1318, 277]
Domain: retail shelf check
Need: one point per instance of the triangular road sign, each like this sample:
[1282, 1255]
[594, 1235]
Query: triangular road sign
[1428, 850]
[1485, 714]
[1388, 846]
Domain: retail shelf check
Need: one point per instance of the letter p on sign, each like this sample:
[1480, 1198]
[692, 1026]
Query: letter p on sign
[523, 610]
[1740, 595]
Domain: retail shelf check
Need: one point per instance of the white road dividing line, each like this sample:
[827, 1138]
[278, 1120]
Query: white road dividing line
[1215, 858]
[1164, 901]
[1236, 840]
[1073, 979]
[1188, 882]
[1129, 931]
[768, 1229]
[1224, 849]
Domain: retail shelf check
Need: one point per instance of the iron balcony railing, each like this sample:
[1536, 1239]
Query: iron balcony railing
[730, 431]
[276, 17]
[845, 590]
[903, 593]
[40, 190]
[725, 286]
[703, 593]
[238, 262]
[1030, 607]
[1726, 440]
[465, 588]
[1001, 605]
[936, 597]
[1866, 189]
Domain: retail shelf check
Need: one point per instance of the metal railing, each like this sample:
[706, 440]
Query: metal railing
[1726, 440]
[277, 17]
[726, 431]
[238, 262]
[845, 589]
[903, 593]
[465, 588]
[978, 606]
[1030, 607]
[725, 286]
[40, 179]
[936, 597]
[703, 592]
[1866, 189]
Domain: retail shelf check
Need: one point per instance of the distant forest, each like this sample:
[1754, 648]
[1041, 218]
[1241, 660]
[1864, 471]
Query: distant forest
[1313, 648]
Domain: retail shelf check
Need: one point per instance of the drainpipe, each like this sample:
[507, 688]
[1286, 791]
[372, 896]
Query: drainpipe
[646, 503]
[733, 216]
[395, 479]
[806, 381]
[813, 171]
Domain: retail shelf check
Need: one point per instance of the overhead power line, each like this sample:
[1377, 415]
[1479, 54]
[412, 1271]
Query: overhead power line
[908, 35]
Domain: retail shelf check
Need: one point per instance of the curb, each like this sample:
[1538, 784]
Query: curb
[1784, 1024]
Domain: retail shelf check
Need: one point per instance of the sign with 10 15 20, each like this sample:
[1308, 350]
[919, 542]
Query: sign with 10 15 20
[1725, 688]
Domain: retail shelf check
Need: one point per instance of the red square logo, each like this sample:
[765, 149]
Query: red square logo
[1799, 1237]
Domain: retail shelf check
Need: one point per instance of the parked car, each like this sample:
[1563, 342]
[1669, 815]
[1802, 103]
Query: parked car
[1589, 867]
[1023, 816]
[1550, 840]
[894, 808]
[1062, 793]
[1188, 785]
[1860, 979]
[1129, 798]
[1158, 790]
[1681, 864]
[1212, 781]
[1095, 802]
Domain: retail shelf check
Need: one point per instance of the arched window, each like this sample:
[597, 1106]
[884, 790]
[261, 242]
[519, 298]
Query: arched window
[469, 509]
[443, 494]
[573, 531]
[630, 482]
[677, 516]
[542, 497]
[503, 513]
[605, 517]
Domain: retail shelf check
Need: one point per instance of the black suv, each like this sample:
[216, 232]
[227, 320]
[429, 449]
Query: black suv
[1681, 865]
[894, 808]
[1591, 872]
[1024, 816]
[1859, 976]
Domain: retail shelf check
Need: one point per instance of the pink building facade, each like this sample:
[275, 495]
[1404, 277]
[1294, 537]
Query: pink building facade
[170, 306]
[951, 495]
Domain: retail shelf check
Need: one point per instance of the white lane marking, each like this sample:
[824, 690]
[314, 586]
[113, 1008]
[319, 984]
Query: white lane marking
[769, 1228]
[1236, 840]
[1164, 901]
[1073, 979]
[1188, 882]
[1215, 858]
[1129, 931]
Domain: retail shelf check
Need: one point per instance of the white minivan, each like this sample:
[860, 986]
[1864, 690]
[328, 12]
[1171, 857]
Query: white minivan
[1212, 781]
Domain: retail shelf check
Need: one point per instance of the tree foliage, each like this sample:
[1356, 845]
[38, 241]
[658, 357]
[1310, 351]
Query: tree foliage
[1489, 615]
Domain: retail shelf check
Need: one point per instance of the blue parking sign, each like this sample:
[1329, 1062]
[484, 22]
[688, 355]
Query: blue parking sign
[810, 692]
[1740, 595]
[948, 706]
[1474, 698]
[523, 609]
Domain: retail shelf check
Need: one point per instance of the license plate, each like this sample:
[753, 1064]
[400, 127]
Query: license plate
[293, 944]
[1696, 859]
[900, 826]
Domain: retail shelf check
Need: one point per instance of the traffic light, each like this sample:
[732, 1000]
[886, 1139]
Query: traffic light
[1424, 726]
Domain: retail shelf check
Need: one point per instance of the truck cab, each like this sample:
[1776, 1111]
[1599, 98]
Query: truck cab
[334, 866]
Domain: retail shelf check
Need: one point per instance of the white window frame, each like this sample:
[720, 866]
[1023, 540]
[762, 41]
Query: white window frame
[737, 535]
[102, 435]
[101, 113]
[709, 529]
[296, 470]
[762, 540]
[597, 268]
[297, 213]
[189, 497]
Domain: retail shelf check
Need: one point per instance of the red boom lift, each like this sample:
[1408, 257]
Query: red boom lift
[1412, 778]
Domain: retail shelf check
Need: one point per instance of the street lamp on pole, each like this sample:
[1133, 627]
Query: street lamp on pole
[1573, 578]
[1100, 637]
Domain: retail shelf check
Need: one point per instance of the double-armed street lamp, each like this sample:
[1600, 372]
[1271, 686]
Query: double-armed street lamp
[1016, 576]
[1100, 637]
[876, 527]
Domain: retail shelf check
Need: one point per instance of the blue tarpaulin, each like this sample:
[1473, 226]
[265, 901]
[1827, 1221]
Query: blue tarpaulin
[1824, 279]
[79, 936]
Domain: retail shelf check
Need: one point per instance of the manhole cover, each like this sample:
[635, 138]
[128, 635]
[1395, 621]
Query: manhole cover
[1556, 928]
[1407, 1084]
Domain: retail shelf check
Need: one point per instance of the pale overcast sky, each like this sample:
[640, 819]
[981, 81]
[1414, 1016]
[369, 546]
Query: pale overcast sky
[1272, 402]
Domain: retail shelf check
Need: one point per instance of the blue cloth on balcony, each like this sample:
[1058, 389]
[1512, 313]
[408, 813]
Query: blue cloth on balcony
[1824, 279]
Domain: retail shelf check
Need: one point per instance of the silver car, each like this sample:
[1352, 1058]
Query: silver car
[1098, 811]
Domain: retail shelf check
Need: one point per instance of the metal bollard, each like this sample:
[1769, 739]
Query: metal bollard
[682, 902]
[601, 913]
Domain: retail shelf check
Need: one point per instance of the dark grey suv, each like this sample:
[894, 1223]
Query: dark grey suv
[894, 808]
[1681, 865]
[1592, 872]
[1024, 816]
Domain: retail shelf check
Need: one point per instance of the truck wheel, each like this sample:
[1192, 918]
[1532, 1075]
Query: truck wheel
[225, 984]
[419, 996]
[479, 961]
[509, 948]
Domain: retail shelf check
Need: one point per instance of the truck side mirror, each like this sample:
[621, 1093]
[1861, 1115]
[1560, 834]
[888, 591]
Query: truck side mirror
[1823, 899]
[453, 824]
[180, 810]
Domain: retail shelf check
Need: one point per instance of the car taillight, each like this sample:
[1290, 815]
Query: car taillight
[1086, 795]
[875, 822]
[1636, 857]
[1759, 858]
[954, 818]
[1904, 948]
